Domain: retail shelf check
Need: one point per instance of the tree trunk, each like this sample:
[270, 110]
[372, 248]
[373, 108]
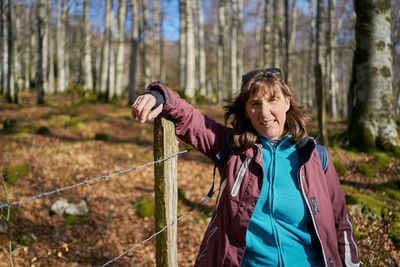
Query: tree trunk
[111, 70]
[18, 81]
[240, 44]
[156, 41]
[372, 124]
[146, 41]
[60, 50]
[41, 16]
[202, 50]
[10, 44]
[277, 35]
[258, 35]
[285, 64]
[331, 40]
[50, 45]
[182, 45]
[267, 36]
[233, 46]
[220, 51]
[190, 84]
[3, 48]
[291, 35]
[60, 47]
[87, 57]
[319, 87]
[310, 55]
[105, 62]
[134, 47]
[119, 68]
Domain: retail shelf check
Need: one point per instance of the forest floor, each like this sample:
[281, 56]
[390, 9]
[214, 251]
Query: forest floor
[68, 141]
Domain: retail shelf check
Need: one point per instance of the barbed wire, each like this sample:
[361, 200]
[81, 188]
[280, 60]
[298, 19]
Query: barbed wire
[89, 181]
[156, 233]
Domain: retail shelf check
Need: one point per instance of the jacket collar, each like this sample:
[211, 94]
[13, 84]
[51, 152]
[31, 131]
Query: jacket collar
[305, 148]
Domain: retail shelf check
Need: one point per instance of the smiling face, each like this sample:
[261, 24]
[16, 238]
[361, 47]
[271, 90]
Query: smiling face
[266, 110]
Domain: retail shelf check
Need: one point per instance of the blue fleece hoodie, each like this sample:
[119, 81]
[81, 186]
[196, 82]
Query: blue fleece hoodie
[280, 231]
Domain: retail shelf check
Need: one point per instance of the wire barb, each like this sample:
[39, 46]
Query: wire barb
[89, 181]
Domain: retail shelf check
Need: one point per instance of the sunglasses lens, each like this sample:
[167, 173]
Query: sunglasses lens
[273, 70]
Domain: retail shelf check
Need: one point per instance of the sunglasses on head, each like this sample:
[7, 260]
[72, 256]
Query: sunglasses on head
[267, 70]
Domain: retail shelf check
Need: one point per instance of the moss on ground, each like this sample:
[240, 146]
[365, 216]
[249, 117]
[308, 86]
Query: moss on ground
[340, 168]
[367, 169]
[145, 208]
[12, 174]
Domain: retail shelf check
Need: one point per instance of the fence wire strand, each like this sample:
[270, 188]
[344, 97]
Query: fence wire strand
[89, 181]
[155, 234]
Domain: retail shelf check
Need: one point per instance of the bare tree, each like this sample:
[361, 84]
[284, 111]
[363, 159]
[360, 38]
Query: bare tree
[87, 57]
[50, 45]
[119, 67]
[60, 50]
[182, 45]
[134, 49]
[2, 47]
[41, 17]
[233, 46]
[105, 57]
[190, 83]
[202, 50]
[267, 35]
[277, 32]
[156, 41]
[372, 117]
[10, 44]
[310, 54]
[221, 86]
[319, 87]
[146, 43]
[240, 43]
[331, 81]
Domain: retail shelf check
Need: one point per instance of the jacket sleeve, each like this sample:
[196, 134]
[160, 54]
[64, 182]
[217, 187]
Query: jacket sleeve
[347, 244]
[194, 128]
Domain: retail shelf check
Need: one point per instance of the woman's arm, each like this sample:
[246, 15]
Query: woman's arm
[203, 133]
[347, 244]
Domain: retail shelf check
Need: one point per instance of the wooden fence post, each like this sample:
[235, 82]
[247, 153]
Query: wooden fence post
[166, 192]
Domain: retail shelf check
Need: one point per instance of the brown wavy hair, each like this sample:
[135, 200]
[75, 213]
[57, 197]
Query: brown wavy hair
[271, 80]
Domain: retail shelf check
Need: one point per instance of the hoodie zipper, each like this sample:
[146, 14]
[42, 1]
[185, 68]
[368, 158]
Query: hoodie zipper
[311, 213]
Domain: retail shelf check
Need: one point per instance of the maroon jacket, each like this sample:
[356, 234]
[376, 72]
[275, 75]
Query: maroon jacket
[225, 239]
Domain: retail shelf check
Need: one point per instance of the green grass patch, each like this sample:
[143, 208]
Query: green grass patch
[10, 126]
[340, 168]
[367, 169]
[145, 208]
[74, 220]
[145, 156]
[382, 160]
[27, 240]
[14, 214]
[12, 174]
[394, 232]
[370, 204]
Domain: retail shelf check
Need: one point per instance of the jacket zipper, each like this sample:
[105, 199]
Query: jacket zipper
[239, 177]
[311, 213]
[280, 259]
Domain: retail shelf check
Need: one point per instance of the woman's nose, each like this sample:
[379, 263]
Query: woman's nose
[265, 110]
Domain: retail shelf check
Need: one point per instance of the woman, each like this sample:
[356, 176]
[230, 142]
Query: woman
[277, 205]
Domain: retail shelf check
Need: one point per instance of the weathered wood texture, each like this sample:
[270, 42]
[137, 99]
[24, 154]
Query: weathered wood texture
[166, 192]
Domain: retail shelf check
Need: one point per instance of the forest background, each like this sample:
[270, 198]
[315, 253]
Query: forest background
[70, 68]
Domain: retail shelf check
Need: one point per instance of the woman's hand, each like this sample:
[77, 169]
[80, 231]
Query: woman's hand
[141, 108]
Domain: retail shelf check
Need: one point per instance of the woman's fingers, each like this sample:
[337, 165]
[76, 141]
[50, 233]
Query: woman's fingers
[154, 113]
[142, 106]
